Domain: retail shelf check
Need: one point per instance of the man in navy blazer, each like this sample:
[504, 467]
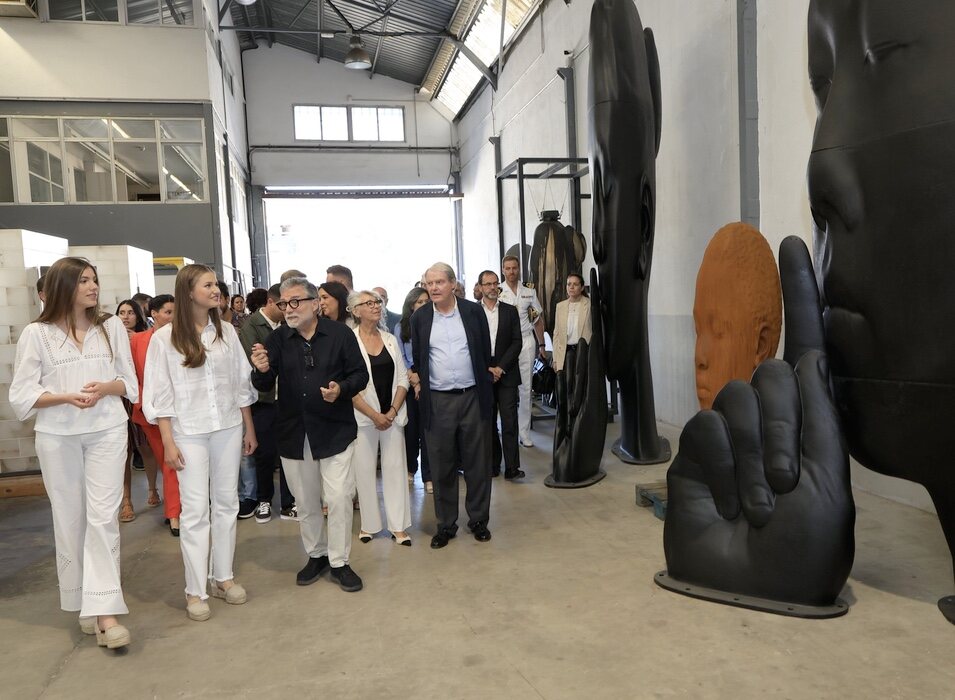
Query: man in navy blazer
[451, 349]
[506, 344]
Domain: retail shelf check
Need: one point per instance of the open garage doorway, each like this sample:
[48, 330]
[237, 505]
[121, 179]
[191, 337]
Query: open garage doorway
[386, 242]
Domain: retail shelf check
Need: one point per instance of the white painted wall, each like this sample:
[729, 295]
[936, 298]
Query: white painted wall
[68, 61]
[697, 169]
[279, 77]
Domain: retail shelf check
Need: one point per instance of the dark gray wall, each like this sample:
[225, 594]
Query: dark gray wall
[168, 230]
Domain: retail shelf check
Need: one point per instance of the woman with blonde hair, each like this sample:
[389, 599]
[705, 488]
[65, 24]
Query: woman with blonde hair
[381, 416]
[72, 369]
[198, 390]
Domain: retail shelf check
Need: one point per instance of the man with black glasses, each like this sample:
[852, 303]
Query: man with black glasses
[319, 367]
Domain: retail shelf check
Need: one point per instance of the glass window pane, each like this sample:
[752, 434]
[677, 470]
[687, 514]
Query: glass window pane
[39, 189]
[57, 195]
[86, 128]
[308, 123]
[102, 11]
[38, 162]
[177, 12]
[35, 128]
[181, 130]
[92, 176]
[391, 124]
[66, 9]
[143, 11]
[3, 127]
[183, 170]
[6, 175]
[56, 170]
[364, 123]
[134, 129]
[137, 172]
[334, 124]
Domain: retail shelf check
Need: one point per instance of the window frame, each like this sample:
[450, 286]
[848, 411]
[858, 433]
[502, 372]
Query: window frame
[351, 132]
[43, 7]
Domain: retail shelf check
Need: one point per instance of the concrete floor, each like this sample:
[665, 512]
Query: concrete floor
[560, 604]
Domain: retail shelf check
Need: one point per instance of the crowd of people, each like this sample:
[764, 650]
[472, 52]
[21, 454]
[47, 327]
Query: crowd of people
[321, 383]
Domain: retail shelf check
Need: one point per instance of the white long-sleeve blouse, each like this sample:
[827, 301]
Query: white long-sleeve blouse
[47, 361]
[197, 399]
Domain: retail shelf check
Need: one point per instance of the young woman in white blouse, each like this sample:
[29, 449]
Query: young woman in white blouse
[381, 415]
[72, 367]
[198, 390]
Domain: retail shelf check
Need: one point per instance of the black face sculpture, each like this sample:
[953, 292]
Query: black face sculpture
[624, 105]
[881, 184]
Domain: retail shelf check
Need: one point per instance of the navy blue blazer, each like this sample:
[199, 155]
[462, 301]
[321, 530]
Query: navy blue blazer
[479, 345]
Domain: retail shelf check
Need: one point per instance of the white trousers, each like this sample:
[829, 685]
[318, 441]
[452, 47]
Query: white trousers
[334, 479]
[394, 478]
[83, 476]
[210, 475]
[526, 364]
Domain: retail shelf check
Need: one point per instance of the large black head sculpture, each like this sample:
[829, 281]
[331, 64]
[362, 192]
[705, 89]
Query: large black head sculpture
[881, 174]
[624, 106]
[881, 183]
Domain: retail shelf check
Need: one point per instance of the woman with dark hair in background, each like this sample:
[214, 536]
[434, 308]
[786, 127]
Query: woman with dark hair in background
[72, 367]
[571, 325]
[333, 302]
[131, 314]
[414, 435]
[256, 299]
[189, 361]
[238, 310]
[225, 302]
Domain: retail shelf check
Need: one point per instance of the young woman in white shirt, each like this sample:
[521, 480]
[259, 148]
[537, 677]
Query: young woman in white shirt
[381, 416]
[72, 368]
[198, 390]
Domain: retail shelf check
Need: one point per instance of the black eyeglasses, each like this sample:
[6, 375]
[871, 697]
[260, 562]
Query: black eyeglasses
[309, 359]
[371, 302]
[293, 303]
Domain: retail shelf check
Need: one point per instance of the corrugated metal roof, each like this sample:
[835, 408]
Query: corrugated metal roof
[405, 58]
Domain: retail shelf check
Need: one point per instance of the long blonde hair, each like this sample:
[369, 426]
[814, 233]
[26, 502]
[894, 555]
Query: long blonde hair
[185, 337]
[59, 286]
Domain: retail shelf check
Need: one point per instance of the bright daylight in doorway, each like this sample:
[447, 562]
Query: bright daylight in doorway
[386, 242]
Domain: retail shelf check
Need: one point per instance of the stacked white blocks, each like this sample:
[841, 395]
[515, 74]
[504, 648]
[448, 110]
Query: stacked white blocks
[122, 271]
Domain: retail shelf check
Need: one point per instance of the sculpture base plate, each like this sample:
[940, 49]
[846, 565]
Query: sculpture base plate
[812, 612]
[550, 481]
[624, 456]
[947, 606]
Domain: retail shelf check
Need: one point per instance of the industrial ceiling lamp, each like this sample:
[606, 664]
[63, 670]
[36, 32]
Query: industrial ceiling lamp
[246, 2]
[357, 58]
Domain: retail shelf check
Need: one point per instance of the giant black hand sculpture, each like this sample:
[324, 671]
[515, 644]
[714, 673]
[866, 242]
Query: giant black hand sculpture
[624, 106]
[581, 422]
[760, 510]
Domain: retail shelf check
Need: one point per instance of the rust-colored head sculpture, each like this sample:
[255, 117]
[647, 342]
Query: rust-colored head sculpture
[738, 309]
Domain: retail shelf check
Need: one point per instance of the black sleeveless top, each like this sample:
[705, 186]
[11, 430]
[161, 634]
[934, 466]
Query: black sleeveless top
[383, 376]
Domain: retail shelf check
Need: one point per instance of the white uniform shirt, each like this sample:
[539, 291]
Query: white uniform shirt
[492, 322]
[47, 361]
[198, 399]
[524, 300]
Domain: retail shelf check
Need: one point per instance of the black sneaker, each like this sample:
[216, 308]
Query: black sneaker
[313, 570]
[246, 508]
[346, 578]
[264, 512]
[290, 513]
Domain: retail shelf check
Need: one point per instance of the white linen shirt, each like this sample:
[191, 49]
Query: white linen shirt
[198, 399]
[49, 362]
[492, 322]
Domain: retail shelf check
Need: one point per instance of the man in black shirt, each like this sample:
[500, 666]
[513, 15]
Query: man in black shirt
[319, 367]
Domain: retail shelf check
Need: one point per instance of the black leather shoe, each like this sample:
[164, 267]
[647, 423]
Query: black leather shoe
[481, 533]
[516, 474]
[441, 539]
[346, 578]
[313, 571]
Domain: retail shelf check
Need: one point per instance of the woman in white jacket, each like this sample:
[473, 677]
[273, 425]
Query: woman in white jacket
[72, 368]
[381, 415]
[198, 390]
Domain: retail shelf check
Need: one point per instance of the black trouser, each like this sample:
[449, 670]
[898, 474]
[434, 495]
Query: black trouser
[266, 455]
[505, 404]
[458, 428]
[414, 439]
